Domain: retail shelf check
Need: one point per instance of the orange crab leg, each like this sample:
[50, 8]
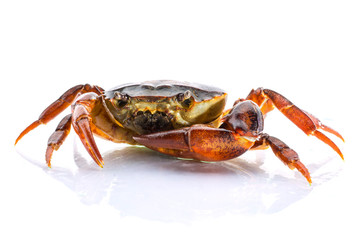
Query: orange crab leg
[287, 155]
[198, 142]
[82, 123]
[58, 137]
[309, 124]
[60, 105]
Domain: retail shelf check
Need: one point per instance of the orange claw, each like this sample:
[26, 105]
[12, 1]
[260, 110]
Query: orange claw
[198, 142]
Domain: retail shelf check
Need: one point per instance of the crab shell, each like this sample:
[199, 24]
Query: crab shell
[155, 106]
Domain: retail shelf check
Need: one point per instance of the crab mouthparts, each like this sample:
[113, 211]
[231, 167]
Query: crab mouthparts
[145, 122]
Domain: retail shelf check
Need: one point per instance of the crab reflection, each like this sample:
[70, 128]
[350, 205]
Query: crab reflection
[139, 182]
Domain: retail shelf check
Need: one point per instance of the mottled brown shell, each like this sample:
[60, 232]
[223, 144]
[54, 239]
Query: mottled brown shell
[162, 105]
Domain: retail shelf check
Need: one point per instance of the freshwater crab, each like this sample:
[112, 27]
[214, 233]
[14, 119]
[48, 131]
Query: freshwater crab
[181, 119]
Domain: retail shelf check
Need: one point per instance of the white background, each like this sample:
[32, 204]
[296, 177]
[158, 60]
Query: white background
[307, 50]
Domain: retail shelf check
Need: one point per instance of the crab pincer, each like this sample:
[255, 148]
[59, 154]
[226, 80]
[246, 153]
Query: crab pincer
[198, 142]
[238, 134]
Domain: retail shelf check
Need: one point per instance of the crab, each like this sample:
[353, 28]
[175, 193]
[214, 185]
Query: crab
[185, 120]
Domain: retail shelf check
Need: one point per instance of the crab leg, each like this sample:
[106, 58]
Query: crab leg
[198, 142]
[268, 99]
[82, 123]
[60, 105]
[58, 137]
[287, 155]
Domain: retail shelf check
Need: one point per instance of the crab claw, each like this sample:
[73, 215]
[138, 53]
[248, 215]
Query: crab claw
[198, 142]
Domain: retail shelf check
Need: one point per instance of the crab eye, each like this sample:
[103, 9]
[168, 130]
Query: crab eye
[121, 99]
[185, 99]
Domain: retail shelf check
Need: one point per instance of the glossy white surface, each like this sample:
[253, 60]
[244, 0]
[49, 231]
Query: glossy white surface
[307, 51]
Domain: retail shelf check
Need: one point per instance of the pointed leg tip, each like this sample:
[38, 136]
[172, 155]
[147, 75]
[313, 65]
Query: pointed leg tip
[98, 160]
[302, 169]
[308, 178]
[100, 163]
[18, 139]
[330, 130]
[27, 130]
[48, 155]
[326, 140]
[338, 135]
[309, 181]
[340, 154]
